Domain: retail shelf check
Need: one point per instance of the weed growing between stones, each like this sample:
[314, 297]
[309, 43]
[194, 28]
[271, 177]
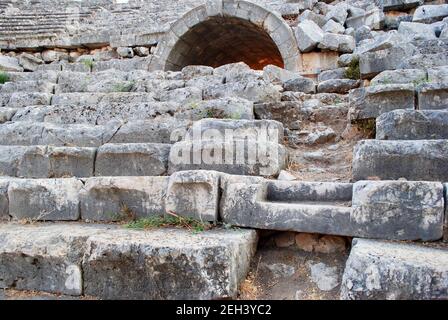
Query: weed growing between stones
[4, 77]
[420, 81]
[172, 220]
[123, 87]
[368, 127]
[353, 72]
[88, 63]
[214, 113]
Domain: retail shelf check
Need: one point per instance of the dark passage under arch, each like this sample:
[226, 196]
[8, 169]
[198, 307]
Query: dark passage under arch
[222, 40]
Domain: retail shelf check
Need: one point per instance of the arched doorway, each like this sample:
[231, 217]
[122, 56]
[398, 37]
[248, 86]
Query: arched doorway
[227, 31]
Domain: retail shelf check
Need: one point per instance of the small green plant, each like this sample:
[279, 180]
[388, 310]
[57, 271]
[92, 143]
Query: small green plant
[214, 113]
[418, 82]
[123, 87]
[236, 115]
[4, 77]
[170, 220]
[353, 72]
[125, 214]
[88, 63]
[386, 81]
[368, 127]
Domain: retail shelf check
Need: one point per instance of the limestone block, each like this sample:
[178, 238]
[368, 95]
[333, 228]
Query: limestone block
[415, 160]
[401, 210]
[412, 125]
[394, 271]
[433, 96]
[194, 194]
[134, 159]
[122, 198]
[371, 102]
[44, 199]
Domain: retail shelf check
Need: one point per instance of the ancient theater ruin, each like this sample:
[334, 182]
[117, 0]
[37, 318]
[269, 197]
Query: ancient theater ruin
[223, 149]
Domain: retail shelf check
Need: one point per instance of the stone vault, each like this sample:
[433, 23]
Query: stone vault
[227, 31]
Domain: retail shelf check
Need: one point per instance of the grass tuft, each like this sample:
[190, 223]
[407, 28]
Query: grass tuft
[4, 77]
[171, 220]
[353, 72]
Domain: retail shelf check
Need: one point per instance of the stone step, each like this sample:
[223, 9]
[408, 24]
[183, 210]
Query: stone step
[229, 129]
[433, 96]
[395, 271]
[49, 76]
[24, 99]
[397, 210]
[28, 86]
[134, 159]
[104, 112]
[409, 159]
[371, 102]
[12, 31]
[99, 99]
[193, 194]
[239, 157]
[111, 262]
[412, 125]
[25, 133]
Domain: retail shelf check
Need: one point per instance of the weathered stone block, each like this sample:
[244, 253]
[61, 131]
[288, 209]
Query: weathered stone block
[400, 5]
[10, 64]
[337, 42]
[6, 114]
[134, 159]
[400, 210]
[394, 271]
[372, 63]
[433, 96]
[288, 206]
[194, 194]
[25, 99]
[251, 157]
[414, 160]
[43, 133]
[136, 63]
[412, 125]
[226, 129]
[438, 74]
[341, 86]
[122, 198]
[149, 131]
[300, 84]
[371, 102]
[46, 161]
[338, 73]
[216, 262]
[315, 62]
[42, 257]
[105, 81]
[411, 76]
[308, 35]
[416, 31]
[44, 199]
[430, 13]
[70, 162]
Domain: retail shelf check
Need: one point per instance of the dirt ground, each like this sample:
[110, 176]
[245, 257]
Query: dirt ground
[285, 274]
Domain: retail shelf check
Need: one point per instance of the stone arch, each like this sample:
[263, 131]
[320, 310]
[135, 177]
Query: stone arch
[225, 31]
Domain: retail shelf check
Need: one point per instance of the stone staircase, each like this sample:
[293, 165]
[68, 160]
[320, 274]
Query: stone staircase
[84, 152]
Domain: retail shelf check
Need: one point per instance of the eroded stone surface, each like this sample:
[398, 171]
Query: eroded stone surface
[387, 270]
[74, 259]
